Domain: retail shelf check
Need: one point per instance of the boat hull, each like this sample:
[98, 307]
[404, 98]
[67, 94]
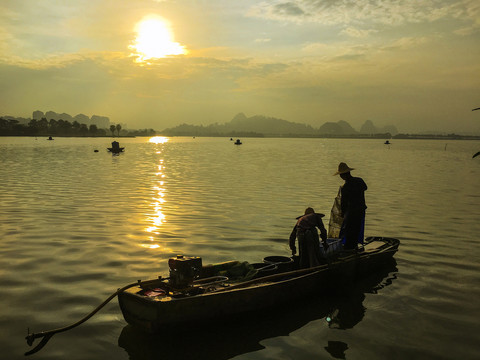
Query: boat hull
[154, 314]
[116, 150]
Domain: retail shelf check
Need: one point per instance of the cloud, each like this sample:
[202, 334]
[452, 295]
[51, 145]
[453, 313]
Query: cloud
[316, 48]
[288, 9]
[59, 61]
[48, 62]
[465, 31]
[262, 40]
[43, 27]
[406, 43]
[357, 12]
[357, 33]
[323, 54]
[174, 90]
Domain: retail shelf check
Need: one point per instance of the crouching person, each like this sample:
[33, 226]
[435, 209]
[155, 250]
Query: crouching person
[305, 231]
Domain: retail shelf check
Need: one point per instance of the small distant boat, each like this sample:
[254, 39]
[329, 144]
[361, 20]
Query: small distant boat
[115, 148]
[476, 154]
[50, 138]
[387, 142]
[238, 142]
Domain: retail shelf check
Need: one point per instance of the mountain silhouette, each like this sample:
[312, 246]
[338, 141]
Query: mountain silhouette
[100, 121]
[260, 125]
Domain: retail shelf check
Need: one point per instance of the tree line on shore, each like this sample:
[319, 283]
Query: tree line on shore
[44, 127]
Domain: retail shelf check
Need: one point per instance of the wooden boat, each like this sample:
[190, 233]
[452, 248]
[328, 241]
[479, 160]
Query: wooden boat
[191, 294]
[245, 333]
[194, 293]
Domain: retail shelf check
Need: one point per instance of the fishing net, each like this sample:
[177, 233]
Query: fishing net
[336, 218]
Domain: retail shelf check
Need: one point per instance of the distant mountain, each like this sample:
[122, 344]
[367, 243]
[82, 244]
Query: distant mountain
[19, 120]
[369, 128]
[259, 125]
[264, 125]
[241, 125]
[99, 121]
[339, 128]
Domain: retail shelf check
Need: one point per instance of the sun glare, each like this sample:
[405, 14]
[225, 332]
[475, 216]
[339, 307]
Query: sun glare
[158, 140]
[155, 40]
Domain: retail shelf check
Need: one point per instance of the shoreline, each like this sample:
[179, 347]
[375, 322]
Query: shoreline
[376, 136]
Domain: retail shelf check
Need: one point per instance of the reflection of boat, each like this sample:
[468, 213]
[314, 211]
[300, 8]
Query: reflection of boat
[115, 147]
[238, 142]
[226, 339]
[153, 304]
[348, 310]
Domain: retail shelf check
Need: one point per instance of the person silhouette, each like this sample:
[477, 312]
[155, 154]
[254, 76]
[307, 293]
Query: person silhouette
[352, 207]
[305, 230]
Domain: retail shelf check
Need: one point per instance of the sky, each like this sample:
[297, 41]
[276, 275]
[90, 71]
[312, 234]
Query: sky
[159, 63]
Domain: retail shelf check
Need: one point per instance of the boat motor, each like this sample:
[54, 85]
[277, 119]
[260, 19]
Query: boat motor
[183, 270]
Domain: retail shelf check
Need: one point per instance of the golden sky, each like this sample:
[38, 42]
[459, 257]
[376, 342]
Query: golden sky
[158, 63]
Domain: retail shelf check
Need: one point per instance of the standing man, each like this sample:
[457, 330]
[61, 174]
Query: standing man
[353, 207]
[308, 241]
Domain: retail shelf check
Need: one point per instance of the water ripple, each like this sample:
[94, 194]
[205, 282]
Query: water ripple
[76, 225]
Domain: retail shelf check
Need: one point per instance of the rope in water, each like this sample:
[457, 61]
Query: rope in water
[46, 335]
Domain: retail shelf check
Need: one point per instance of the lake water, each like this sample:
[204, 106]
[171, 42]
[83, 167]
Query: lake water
[75, 225]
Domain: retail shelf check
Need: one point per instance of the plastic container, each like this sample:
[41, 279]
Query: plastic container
[334, 246]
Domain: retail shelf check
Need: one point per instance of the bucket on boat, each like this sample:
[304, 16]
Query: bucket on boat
[282, 262]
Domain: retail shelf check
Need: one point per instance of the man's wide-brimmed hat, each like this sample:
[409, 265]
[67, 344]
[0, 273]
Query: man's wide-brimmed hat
[343, 168]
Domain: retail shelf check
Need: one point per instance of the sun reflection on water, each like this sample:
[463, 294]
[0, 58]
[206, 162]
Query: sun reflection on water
[157, 217]
[158, 140]
[151, 246]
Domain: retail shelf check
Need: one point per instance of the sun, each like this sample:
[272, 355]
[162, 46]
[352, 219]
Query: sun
[155, 40]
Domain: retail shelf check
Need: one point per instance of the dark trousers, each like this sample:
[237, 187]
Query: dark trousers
[352, 230]
[309, 248]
